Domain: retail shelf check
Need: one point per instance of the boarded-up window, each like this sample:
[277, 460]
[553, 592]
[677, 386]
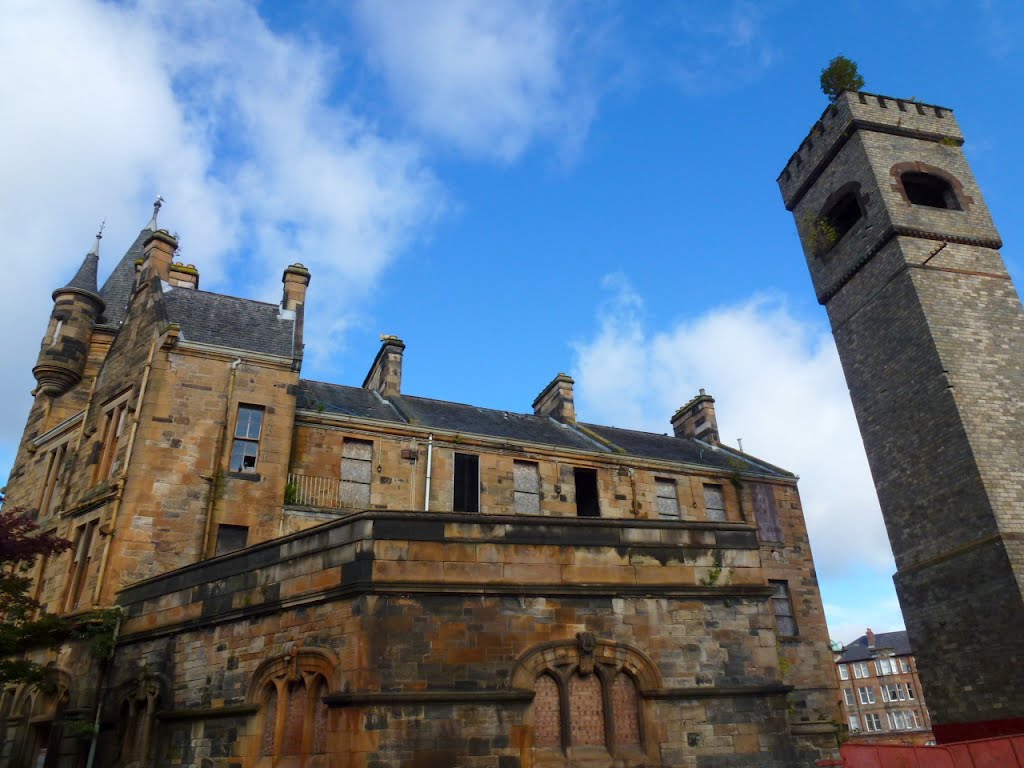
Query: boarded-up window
[586, 711]
[466, 491]
[714, 502]
[269, 721]
[766, 512]
[526, 475]
[547, 714]
[356, 465]
[782, 606]
[626, 710]
[668, 499]
[294, 719]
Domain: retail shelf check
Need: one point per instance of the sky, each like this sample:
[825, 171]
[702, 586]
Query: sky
[516, 188]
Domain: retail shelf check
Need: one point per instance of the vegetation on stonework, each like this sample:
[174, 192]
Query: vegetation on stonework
[819, 233]
[840, 75]
[24, 626]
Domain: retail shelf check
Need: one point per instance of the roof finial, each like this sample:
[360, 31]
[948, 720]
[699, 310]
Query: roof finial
[156, 210]
[99, 236]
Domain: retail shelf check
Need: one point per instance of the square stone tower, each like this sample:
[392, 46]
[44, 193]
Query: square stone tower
[904, 255]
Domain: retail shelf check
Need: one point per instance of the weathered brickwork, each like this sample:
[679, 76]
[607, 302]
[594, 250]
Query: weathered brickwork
[317, 575]
[931, 337]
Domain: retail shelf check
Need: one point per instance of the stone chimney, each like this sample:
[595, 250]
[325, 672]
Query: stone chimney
[157, 254]
[697, 419]
[183, 275]
[556, 400]
[385, 374]
[296, 281]
[870, 636]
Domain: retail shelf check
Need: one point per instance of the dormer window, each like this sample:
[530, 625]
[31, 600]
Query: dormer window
[929, 190]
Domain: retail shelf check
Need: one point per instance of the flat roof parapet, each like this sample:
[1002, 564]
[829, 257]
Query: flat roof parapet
[861, 111]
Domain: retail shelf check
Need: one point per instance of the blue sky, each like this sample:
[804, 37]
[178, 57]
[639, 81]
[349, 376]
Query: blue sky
[514, 188]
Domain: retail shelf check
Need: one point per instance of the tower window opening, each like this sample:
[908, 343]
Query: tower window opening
[587, 504]
[844, 214]
[929, 190]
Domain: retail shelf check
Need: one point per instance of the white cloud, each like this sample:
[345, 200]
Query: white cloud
[778, 386]
[107, 105]
[485, 75]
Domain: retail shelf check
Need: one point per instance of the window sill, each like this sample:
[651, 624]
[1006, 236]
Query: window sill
[252, 477]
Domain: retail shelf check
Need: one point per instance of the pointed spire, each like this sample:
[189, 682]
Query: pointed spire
[152, 226]
[85, 277]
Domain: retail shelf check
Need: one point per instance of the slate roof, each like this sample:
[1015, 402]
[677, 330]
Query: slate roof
[671, 448]
[519, 427]
[244, 324]
[858, 650]
[440, 414]
[352, 401]
[85, 277]
[118, 287]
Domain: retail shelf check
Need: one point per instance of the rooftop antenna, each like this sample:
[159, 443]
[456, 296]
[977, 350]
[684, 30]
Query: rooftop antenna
[156, 210]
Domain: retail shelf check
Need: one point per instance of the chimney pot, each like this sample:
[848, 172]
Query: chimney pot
[556, 400]
[181, 276]
[697, 419]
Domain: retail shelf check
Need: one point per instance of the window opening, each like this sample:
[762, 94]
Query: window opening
[466, 493]
[356, 472]
[80, 563]
[872, 722]
[860, 669]
[929, 190]
[269, 721]
[526, 479]
[714, 502]
[246, 446]
[668, 498]
[766, 512]
[848, 696]
[843, 215]
[113, 425]
[626, 708]
[586, 492]
[231, 537]
[55, 462]
[56, 332]
[867, 694]
[854, 724]
[782, 606]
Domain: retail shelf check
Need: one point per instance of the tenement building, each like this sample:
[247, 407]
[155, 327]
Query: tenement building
[312, 574]
[904, 255]
[882, 701]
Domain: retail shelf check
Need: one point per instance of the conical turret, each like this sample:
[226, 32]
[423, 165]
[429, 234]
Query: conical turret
[76, 307]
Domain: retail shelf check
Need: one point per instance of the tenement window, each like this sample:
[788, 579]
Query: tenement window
[867, 694]
[714, 502]
[854, 724]
[231, 537]
[112, 423]
[885, 666]
[246, 447]
[80, 560]
[860, 669]
[356, 472]
[848, 695]
[668, 498]
[844, 672]
[872, 722]
[526, 481]
[586, 492]
[466, 491]
[782, 607]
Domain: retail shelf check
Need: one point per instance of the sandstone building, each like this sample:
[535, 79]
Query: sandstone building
[882, 700]
[904, 255]
[317, 575]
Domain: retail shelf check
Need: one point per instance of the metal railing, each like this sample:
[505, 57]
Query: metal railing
[313, 491]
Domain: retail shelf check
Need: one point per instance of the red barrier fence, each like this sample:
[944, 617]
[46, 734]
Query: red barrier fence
[1006, 752]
